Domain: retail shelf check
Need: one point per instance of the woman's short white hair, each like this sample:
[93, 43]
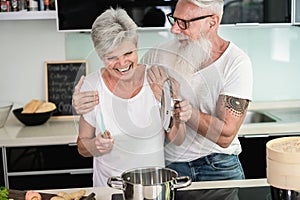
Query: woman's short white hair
[215, 6]
[110, 29]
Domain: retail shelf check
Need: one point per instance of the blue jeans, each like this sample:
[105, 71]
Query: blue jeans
[212, 167]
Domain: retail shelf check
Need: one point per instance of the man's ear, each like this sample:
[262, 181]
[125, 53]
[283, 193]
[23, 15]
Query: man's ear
[137, 40]
[215, 20]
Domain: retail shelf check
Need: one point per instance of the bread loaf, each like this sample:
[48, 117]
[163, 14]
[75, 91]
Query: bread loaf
[46, 107]
[38, 106]
[32, 106]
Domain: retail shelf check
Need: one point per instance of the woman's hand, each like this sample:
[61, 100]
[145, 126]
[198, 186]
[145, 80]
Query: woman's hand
[104, 144]
[84, 102]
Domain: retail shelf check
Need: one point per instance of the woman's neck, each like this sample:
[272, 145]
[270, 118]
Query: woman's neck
[125, 88]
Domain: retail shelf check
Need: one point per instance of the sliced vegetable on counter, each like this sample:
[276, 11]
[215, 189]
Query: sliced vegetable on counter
[69, 196]
[32, 195]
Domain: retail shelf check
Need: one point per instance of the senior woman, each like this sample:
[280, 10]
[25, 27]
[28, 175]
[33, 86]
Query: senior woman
[127, 109]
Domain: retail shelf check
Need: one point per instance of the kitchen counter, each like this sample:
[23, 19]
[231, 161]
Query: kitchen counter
[105, 193]
[64, 132]
[16, 134]
[286, 123]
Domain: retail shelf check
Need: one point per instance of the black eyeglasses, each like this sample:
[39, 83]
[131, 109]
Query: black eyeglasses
[182, 23]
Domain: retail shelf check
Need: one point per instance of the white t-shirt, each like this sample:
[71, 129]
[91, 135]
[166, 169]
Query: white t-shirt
[134, 124]
[230, 75]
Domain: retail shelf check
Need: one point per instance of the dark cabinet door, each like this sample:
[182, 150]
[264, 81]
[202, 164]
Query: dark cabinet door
[38, 158]
[253, 156]
[263, 11]
[1, 169]
[50, 181]
[48, 167]
[297, 12]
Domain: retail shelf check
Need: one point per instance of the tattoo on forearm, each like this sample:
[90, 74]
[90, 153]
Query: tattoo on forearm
[236, 105]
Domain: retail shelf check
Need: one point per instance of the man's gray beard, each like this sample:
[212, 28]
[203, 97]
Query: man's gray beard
[192, 57]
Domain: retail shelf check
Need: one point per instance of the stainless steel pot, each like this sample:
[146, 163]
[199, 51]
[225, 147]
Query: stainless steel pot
[149, 183]
[283, 194]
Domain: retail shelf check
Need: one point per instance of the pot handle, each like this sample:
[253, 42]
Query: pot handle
[111, 180]
[184, 184]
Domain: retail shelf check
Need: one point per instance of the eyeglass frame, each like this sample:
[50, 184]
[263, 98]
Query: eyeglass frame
[185, 22]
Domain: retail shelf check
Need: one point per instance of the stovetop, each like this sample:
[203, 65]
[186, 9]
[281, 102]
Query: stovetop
[246, 193]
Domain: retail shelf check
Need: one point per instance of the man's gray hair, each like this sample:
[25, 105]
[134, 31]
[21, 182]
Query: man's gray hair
[110, 29]
[215, 6]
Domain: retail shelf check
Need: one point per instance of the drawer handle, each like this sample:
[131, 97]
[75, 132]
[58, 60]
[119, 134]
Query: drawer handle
[72, 144]
[256, 136]
[82, 171]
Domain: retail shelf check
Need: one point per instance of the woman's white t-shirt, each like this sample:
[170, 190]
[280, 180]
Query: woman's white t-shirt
[134, 124]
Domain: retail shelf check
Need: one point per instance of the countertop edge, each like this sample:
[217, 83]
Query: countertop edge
[105, 193]
[16, 134]
[264, 105]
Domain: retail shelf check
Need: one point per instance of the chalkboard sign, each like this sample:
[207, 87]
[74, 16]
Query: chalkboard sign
[61, 77]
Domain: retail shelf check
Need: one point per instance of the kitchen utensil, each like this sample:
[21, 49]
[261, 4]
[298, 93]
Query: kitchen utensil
[283, 163]
[167, 104]
[149, 183]
[89, 197]
[283, 194]
[20, 195]
[5, 108]
[105, 133]
[32, 119]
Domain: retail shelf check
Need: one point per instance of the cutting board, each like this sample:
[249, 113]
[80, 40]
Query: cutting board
[20, 195]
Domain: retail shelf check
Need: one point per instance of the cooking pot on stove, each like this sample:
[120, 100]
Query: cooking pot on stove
[149, 183]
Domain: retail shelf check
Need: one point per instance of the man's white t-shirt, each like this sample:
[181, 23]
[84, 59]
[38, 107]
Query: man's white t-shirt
[230, 75]
[134, 124]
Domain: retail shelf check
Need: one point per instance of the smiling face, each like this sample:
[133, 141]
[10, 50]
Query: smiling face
[187, 10]
[121, 62]
[201, 17]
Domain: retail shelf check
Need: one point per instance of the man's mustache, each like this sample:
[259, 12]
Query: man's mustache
[181, 37]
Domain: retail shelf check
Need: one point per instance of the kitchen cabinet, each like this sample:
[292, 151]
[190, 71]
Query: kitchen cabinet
[296, 12]
[253, 156]
[30, 15]
[261, 11]
[1, 170]
[47, 167]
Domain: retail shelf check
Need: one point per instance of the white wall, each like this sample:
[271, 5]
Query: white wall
[24, 46]
[272, 49]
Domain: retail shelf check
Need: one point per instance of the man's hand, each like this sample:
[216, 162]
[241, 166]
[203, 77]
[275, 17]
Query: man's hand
[182, 111]
[84, 102]
[156, 77]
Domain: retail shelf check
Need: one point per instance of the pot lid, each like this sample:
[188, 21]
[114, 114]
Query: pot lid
[167, 105]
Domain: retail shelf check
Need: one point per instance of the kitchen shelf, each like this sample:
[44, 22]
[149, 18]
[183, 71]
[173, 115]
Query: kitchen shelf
[28, 15]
